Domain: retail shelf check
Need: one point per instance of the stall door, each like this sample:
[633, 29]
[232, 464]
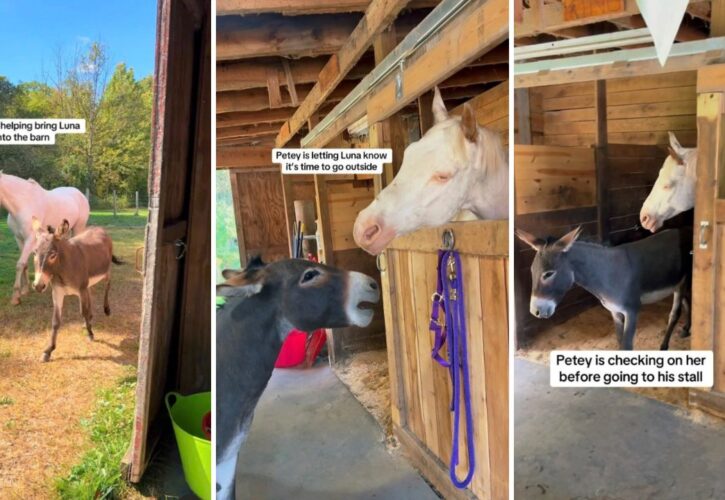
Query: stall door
[708, 328]
[175, 336]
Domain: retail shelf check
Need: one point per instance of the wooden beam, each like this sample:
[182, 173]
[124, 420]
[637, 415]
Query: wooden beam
[545, 18]
[485, 25]
[686, 33]
[623, 68]
[247, 131]
[717, 18]
[243, 157]
[279, 115]
[378, 16]
[274, 35]
[522, 107]
[299, 7]
[601, 159]
[476, 75]
[257, 99]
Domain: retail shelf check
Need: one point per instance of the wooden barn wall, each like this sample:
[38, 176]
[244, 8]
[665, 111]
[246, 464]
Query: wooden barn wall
[640, 110]
[491, 109]
[556, 191]
[420, 388]
[260, 214]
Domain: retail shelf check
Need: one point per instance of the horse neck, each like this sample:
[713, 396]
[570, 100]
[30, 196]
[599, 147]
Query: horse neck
[12, 189]
[489, 196]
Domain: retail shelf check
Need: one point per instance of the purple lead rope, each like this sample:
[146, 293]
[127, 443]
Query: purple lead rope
[449, 298]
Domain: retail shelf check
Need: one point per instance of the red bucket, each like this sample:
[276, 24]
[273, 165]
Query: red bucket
[296, 349]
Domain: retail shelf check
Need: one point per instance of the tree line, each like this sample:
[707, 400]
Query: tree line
[113, 154]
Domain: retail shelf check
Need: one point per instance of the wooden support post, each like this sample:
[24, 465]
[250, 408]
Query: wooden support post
[717, 18]
[425, 112]
[522, 107]
[136, 212]
[325, 252]
[289, 210]
[601, 161]
[115, 208]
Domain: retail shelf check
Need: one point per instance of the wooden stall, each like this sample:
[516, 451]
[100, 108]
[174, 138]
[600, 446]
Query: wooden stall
[591, 135]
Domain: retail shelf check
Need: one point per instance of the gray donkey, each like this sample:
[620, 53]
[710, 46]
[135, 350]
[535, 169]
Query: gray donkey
[622, 277]
[263, 303]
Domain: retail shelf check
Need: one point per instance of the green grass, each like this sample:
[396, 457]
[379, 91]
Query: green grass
[98, 475]
[123, 218]
[5, 401]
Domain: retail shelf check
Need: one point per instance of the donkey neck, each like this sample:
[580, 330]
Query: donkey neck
[591, 264]
[13, 190]
[488, 196]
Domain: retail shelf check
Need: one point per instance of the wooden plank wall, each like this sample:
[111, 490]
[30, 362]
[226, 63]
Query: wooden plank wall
[261, 213]
[491, 109]
[640, 110]
[424, 386]
[556, 191]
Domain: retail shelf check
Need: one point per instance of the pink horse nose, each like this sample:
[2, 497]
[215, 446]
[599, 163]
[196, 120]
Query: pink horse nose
[366, 231]
[644, 218]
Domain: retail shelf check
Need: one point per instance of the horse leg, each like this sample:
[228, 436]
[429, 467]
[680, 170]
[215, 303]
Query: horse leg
[106, 306]
[20, 269]
[677, 300]
[630, 327]
[86, 311]
[58, 296]
[24, 283]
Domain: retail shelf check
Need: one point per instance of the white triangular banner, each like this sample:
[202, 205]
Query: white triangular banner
[663, 20]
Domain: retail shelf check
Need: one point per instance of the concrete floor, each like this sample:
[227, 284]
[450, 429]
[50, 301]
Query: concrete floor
[609, 444]
[311, 439]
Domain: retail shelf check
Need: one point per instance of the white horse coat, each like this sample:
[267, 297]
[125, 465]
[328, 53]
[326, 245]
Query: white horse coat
[25, 199]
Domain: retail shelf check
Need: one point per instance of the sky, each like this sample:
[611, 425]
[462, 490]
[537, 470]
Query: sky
[33, 31]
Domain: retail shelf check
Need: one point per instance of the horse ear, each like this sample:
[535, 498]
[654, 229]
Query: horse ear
[565, 242]
[469, 124]
[36, 225]
[675, 156]
[531, 240]
[675, 144]
[440, 113]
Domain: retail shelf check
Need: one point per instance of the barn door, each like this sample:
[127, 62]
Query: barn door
[175, 337]
[708, 314]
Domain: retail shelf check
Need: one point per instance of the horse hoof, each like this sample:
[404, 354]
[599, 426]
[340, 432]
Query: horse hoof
[15, 301]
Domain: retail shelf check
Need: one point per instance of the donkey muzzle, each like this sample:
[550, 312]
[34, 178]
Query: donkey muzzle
[542, 307]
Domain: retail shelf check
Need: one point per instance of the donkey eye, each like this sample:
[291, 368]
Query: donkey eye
[548, 275]
[309, 275]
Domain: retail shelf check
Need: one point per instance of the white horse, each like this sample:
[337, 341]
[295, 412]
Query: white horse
[674, 190]
[25, 199]
[457, 165]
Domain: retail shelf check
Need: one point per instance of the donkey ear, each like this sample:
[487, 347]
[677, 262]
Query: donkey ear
[531, 240]
[439, 107]
[36, 225]
[63, 229]
[469, 124]
[565, 242]
[241, 283]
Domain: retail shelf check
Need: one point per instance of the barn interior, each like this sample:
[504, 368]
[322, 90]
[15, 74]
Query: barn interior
[320, 74]
[593, 108]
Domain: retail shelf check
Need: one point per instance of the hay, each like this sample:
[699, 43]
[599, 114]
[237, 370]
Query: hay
[594, 330]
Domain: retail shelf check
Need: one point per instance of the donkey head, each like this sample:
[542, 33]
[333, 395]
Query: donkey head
[307, 294]
[552, 274]
[674, 189]
[433, 183]
[47, 258]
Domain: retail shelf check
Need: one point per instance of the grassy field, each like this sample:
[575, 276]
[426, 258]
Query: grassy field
[64, 424]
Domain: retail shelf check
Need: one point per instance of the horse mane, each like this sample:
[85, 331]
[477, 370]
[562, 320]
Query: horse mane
[493, 154]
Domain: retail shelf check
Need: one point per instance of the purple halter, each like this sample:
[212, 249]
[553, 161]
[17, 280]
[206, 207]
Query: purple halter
[449, 298]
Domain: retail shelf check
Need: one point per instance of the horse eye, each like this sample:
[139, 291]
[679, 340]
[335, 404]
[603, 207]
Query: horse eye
[309, 275]
[548, 275]
[442, 176]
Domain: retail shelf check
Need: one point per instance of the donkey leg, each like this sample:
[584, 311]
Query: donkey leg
[106, 306]
[674, 318]
[687, 305]
[630, 327]
[86, 311]
[618, 325]
[58, 297]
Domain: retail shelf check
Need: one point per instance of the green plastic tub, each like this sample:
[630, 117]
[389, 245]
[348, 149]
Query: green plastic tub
[187, 414]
